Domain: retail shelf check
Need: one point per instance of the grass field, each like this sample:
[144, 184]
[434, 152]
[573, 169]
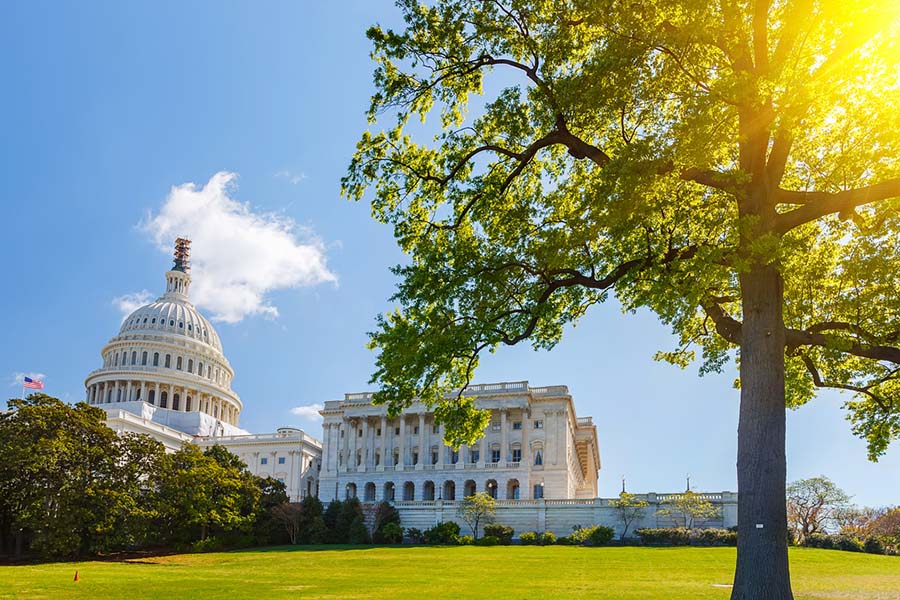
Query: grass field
[452, 572]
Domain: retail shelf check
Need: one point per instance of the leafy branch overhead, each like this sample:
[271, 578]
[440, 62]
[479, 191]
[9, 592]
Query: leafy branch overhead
[586, 148]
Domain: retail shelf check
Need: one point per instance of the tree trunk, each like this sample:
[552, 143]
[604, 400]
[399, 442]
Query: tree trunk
[762, 562]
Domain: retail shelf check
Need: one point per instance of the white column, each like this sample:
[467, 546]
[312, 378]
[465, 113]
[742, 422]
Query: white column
[526, 449]
[422, 440]
[384, 434]
[345, 452]
[482, 454]
[128, 392]
[365, 439]
[156, 395]
[504, 438]
[144, 391]
[116, 392]
[402, 461]
[441, 450]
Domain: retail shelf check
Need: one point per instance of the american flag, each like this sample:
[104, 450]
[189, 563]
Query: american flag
[32, 384]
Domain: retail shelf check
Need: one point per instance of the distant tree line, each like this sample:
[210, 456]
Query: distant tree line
[70, 487]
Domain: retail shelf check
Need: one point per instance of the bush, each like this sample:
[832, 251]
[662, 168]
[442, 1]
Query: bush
[415, 536]
[565, 541]
[385, 515]
[714, 537]
[442, 533]
[390, 533]
[528, 538]
[488, 540]
[596, 535]
[504, 533]
[848, 543]
[669, 536]
[210, 544]
[463, 540]
[548, 538]
[819, 540]
[873, 545]
[358, 533]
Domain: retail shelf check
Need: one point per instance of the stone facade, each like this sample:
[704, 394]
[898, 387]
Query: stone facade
[534, 447]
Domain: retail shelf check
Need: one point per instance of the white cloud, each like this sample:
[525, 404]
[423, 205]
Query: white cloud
[19, 378]
[294, 178]
[129, 303]
[238, 256]
[310, 411]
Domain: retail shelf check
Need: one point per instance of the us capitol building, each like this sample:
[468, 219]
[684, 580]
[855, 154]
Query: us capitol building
[165, 375]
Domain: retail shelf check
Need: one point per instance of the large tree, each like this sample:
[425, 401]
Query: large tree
[730, 164]
[813, 504]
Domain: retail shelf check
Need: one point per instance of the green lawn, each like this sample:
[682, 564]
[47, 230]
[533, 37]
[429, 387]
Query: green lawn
[504, 573]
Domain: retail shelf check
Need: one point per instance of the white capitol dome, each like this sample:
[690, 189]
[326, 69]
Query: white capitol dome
[166, 363]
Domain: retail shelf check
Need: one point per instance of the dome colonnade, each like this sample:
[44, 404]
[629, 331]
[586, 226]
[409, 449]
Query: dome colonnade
[168, 355]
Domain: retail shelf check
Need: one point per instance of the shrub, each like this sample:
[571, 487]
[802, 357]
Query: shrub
[464, 540]
[565, 541]
[528, 538]
[504, 533]
[210, 544]
[596, 535]
[714, 537]
[384, 514]
[415, 536]
[390, 533]
[358, 533]
[548, 538]
[442, 533]
[488, 540]
[873, 545]
[819, 540]
[848, 543]
[669, 536]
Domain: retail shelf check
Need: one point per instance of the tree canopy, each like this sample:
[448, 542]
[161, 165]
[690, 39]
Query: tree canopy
[589, 148]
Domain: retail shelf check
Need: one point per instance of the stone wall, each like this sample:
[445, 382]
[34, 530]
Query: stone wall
[561, 516]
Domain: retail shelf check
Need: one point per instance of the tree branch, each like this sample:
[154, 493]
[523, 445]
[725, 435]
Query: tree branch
[819, 204]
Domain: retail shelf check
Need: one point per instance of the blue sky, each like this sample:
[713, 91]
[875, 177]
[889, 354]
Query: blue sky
[110, 109]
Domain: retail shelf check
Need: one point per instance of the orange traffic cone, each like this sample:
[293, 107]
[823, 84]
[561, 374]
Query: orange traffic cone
[76, 574]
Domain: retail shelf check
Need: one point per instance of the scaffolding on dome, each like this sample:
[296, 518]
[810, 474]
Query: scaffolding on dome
[182, 255]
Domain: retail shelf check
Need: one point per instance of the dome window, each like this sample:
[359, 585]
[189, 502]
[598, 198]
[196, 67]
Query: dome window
[189, 327]
[168, 361]
[153, 320]
[180, 325]
[134, 357]
[144, 357]
[156, 359]
[171, 322]
[145, 320]
[190, 365]
[178, 363]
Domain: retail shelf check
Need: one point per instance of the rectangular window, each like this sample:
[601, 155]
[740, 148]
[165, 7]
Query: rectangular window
[359, 433]
[454, 458]
[517, 455]
[415, 458]
[538, 491]
[538, 424]
[416, 430]
[378, 432]
[517, 425]
[434, 457]
[396, 431]
[495, 456]
[435, 429]
[495, 426]
[264, 461]
[280, 460]
[475, 455]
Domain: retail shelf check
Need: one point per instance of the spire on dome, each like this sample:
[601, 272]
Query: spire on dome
[182, 255]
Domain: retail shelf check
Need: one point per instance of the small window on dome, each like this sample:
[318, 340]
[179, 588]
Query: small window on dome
[145, 319]
[190, 328]
[180, 325]
[153, 320]
[171, 322]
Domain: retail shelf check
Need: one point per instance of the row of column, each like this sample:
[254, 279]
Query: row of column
[126, 391]
[342, 449]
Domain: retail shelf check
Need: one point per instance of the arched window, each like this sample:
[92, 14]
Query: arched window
[200, 369]
[153, 321]
[164, 400]
[144, 359]
[187, 404]
[190, 365]
[175, 399]
[178, 364]
[538, 457]
[171, 322]
[209, 371]
[180, 324]
[116, 360]
[145, 320]
[409, 491]
[168, 361]
[156, 359]
[190, 328]
[124, 358]
[428, 491]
